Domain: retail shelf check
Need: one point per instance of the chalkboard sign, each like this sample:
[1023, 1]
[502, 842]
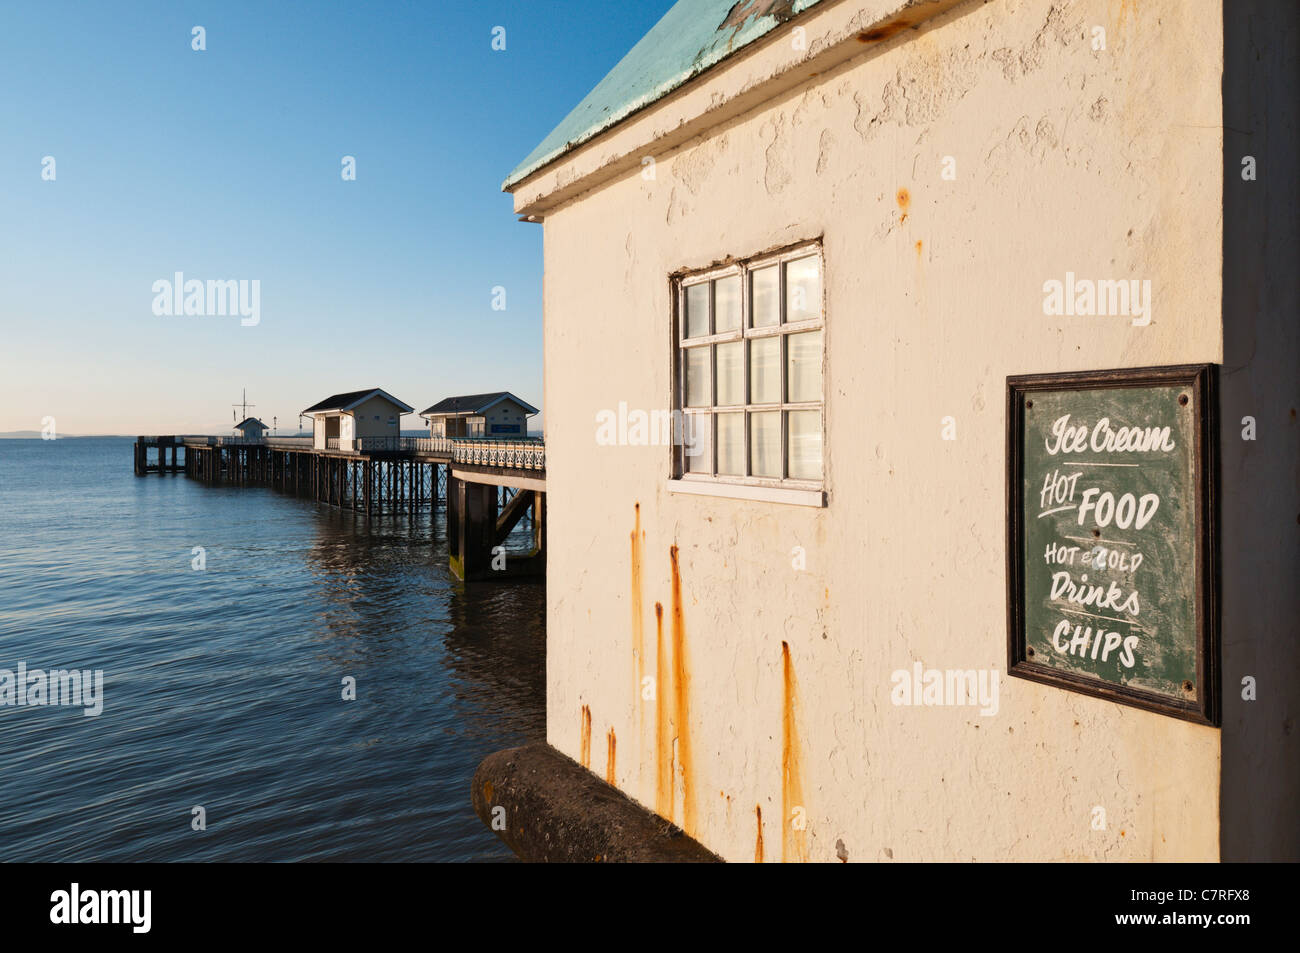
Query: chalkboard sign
[1112, 582]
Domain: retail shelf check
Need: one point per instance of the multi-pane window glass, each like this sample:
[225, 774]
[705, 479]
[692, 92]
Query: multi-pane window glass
[726, 302]
[697, 377]
[803, 358]
[765, 309]
[697, 311]
[731, 373]
[749, 371]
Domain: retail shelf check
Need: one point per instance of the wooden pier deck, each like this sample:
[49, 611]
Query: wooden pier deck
[484, 487]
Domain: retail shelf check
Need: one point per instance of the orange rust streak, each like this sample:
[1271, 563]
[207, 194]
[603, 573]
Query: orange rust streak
[904, 203]
[638, 617]
[758, 844]
[883, 32]
[663, 740]
[794, 842]
[584, 742]
[681, 695]
[609, 757]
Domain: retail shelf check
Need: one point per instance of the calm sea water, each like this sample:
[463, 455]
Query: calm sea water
[222, 687]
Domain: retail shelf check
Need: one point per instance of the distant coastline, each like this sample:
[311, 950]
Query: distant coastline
[36, 435]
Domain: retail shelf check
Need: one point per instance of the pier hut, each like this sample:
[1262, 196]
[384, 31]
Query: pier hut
[498, 415]
[839, 240]
[250, 428]
[344, 421]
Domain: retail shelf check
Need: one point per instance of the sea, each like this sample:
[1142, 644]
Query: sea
[230, 624]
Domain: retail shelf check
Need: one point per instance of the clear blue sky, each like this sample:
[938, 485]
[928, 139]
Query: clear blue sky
[225, 164]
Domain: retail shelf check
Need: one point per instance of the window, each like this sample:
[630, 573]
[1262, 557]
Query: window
[748, 376]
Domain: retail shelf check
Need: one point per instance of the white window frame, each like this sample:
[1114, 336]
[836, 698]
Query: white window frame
[770, 489]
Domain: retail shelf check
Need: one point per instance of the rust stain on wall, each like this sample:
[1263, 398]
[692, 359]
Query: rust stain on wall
[884, 32]
[1126, 8]
[758, 843]
[904, 202]
[681, 698]
[612, 743]
[663, 739]
[794, 841]
[584, 740]
[638, 626]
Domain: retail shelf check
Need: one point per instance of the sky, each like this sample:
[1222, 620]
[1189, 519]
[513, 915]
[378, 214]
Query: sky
[227, 163]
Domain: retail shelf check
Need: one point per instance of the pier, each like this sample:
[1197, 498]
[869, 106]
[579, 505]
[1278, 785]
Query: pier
[485, 487]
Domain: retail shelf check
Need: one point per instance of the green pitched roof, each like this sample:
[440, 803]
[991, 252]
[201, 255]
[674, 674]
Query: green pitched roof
[693, 36]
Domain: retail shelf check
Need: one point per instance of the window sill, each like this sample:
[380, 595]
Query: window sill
[740, 491]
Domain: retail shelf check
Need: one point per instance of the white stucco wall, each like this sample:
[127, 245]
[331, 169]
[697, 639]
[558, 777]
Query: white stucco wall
[773, 683]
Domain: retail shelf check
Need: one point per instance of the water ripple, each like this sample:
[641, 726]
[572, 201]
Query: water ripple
[222, 687]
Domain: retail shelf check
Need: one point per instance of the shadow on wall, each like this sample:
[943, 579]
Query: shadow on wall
[1259, 504]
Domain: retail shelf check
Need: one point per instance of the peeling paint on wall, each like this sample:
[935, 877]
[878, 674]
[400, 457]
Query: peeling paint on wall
[825, 143]
[778, 174]
[744, 9]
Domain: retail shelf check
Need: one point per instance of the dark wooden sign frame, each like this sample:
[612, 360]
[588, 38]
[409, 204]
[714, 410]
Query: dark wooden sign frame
[1202, 381]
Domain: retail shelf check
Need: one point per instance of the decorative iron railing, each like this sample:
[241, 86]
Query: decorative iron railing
[428, 444]
[280, 443]
[526, 454]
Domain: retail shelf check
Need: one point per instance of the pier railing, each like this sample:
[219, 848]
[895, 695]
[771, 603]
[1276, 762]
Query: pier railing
[401, 445]
[280, 443]
[428, 444]
[526, 453]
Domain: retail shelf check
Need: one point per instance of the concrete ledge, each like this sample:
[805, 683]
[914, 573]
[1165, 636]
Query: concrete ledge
[558, 811]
